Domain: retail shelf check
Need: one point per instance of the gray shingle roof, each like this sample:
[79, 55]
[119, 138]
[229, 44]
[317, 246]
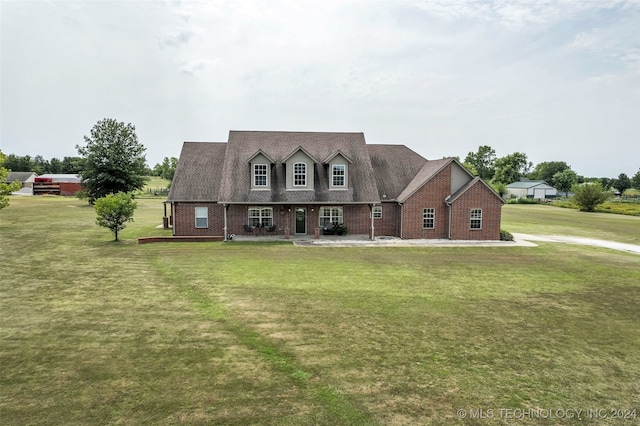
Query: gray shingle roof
[219, 171]
[394, 166]
[235, 186]
[198, 173]
[19, 176]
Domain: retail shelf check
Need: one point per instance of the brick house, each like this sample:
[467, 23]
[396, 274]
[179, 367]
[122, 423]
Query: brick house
[312, 183]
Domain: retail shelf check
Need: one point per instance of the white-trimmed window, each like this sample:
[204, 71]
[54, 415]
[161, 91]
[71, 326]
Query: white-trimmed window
[260, 216]
[377, 212]
[329, 216]
[428, 218]
[299, 174]
[202, 217]
[338, 175]
[260, 175]
[476, 219]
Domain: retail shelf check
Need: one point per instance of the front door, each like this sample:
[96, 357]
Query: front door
[301, 220]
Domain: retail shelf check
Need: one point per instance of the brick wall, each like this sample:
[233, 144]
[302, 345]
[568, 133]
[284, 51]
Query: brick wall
[356, 219]
[431, 195]
[184, 220]
[389, 225]
[476, 197]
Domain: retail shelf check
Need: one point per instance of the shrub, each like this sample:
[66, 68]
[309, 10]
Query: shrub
[505, 235]
[523, 200]
[336, 229]
[587, 196]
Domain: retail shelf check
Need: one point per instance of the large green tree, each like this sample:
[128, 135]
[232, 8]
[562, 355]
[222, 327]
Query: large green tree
[72, 165]
[482, 161]
[17, 163]
[114, 160]
[635, 180]
[588, 195]
[564, 180]
[114, 211]
[547, 169]
[6, 188]
[511, 168]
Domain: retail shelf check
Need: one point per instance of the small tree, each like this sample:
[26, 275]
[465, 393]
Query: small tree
[6, 188]
[564, 180]
[622, 183]
[167, 169]
[114, 210]
[588, 195]
[500, 188]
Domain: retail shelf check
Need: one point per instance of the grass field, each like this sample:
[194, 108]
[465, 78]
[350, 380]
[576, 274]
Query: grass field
[154, 188]
[549, 220]
[98, 332]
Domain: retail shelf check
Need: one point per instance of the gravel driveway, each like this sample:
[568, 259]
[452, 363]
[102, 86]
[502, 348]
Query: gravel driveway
[631, 248]
[519, 240]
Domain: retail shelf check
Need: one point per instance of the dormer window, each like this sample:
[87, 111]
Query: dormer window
[338, 171]
[338, 175]
[298, 169]
[299, 174]
[260, 175]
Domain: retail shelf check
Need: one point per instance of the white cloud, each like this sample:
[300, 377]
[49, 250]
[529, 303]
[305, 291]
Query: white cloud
[545, 77]
[176, 39]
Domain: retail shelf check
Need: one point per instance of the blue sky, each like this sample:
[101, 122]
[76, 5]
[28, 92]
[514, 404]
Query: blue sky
[558, 80]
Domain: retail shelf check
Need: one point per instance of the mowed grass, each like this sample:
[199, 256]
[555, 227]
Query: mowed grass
[98, 332]
[549, 220]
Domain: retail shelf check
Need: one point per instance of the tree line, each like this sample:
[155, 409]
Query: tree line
[500, 171]
[112, 165]
[514, 167]
[75, 165]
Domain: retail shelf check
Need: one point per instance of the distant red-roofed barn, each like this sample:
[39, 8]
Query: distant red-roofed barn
[57, 184]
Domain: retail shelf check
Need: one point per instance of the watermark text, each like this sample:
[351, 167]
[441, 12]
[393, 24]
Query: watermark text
[548, 413]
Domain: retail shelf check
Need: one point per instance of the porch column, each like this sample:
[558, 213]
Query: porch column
[165, 219]
[372, 234]
[224, 208]
[287, 227]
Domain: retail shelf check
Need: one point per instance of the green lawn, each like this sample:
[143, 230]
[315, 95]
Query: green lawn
[154, 187]
[549, 220]
[98, 332]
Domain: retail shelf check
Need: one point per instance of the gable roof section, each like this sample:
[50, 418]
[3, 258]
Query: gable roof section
[426, 173]
[527, 184]
[197, 176]
[21, 176]
[395, 167]
[475, 181]
[334, 155]
[235, 186]
[261, 152]
[295, 151]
